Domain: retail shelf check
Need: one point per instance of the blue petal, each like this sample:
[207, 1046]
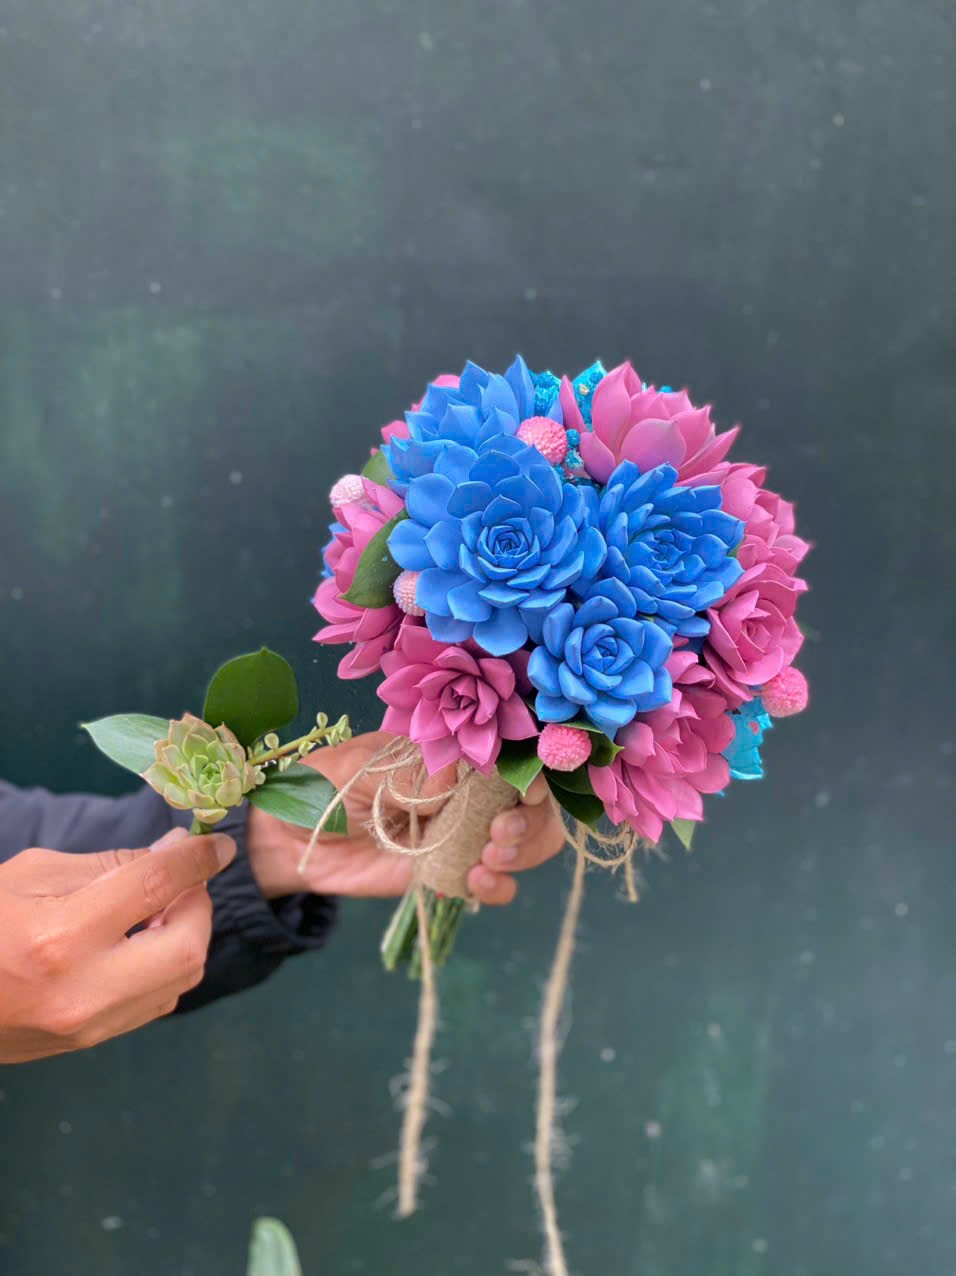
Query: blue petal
[493, 467]
[543, 600]
[522, 490]
[594, 548]
[445, 629]
[543, 671]
[470, 564]
[434, 586]
[610, 714]
[572, 650]
[471, 529]
[455, 463]
[466, 603]
[594, 610]
[637, 681]
[557, 627]
[661, 695]
[542, 522]
[428, 498]
[554, 708]
[500, 595]
[657, 645]
[503, 633]
[469, 498]
[500, 510]
[528, 577]
[519, 378]
[565, 573]
[575, 688]
[443, 542]
[693, 627]
[561, 542]
[407, 546]
[499, 394]
[619, 596]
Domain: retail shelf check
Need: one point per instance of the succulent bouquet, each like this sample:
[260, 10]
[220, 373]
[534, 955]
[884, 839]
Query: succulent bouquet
[568, 576]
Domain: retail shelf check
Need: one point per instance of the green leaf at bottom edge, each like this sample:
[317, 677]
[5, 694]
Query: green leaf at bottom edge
[518, 763]
[582, 806]
[299, 796]
[685, 831]
[272, 1250]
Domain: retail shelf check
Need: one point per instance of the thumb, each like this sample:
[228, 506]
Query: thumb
[98, 864]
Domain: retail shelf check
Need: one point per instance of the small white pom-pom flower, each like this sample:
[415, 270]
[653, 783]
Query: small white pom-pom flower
[404, 591]
[348, 490]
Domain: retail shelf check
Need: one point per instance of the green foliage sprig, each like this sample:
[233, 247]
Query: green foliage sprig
[208, 765]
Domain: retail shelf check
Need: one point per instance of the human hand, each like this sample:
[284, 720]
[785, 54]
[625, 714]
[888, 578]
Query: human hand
[355, 865]
[69, 975]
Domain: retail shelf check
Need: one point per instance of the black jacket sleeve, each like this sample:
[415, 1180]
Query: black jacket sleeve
[252, 936]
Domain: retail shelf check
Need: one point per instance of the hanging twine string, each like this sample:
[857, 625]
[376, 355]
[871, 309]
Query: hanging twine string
[450, 846]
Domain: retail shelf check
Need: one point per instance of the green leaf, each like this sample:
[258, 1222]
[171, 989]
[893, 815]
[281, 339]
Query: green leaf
[685, 831]
[577, 781]
[252, 694]
[604, 751]
[128, 738]
[272, 1250]
[377, 570]
[299, 796]
[583, 807]
[584, 724]
[377, 468]
[518, 763]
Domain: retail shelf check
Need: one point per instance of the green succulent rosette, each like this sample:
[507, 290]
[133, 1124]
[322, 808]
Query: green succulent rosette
[202, 769]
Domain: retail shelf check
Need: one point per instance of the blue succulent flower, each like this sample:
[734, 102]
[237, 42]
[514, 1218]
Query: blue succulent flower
[750, 721]
[483, 405]
[497, 539]
[602, 659]
[670, 545]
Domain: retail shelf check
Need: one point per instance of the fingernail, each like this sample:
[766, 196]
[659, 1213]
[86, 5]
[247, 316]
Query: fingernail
[486, 879]
[169, 839]
[506, 854]
[225, 849]
[516, 826]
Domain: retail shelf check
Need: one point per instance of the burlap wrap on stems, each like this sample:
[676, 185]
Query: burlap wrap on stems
[460, 830]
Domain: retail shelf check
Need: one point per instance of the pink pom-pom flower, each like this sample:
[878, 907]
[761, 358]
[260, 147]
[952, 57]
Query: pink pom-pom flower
[548, 436]
[404, 591]
[349, 490]
[786, 694]
[563, 748]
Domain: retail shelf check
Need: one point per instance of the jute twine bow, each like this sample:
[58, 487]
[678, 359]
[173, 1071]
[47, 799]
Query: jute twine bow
[456, 833]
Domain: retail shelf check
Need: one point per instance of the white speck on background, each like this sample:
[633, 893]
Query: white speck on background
[235, 477]
[112, 1223]
[653, 1129]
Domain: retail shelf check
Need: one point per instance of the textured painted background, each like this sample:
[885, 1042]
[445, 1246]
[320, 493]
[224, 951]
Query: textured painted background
[235, 237]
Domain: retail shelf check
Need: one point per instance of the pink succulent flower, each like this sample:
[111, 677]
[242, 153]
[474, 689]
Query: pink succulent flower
[670, 756]
[399, 429]
[766, 515]
[452, 701]
[373, 630]
[753, 633]
[649, 427]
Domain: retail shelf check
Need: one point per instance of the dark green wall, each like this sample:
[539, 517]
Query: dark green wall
[237, 236]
